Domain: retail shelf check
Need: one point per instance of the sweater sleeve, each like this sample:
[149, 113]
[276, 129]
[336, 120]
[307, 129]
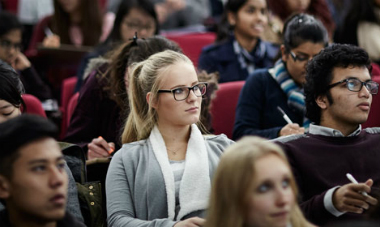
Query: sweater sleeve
[120, 200]
[250, 110]
[34, 85]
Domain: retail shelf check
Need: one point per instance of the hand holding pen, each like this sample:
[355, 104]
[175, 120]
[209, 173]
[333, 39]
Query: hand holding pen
[353, 197]
[291, 128]
[51, 39]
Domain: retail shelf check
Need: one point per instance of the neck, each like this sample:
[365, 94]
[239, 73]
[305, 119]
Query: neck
[246, 42]
[344, 129]
[75, 17]
[174, 135]
[20, 219]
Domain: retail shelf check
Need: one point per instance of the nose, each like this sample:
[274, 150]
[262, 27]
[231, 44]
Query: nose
[192, 97]
[364, 92]
[57, 177]
[283, 196]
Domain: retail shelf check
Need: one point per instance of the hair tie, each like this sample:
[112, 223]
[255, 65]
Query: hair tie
[134, 39]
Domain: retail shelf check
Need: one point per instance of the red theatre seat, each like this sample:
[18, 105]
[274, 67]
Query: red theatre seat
[71, 107]
[67, 92]
[223, 107]
[33, 105]
[374, 115]
[192, 43]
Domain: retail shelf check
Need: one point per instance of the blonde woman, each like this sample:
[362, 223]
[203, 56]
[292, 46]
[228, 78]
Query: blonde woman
[254, 186]
[161, 175]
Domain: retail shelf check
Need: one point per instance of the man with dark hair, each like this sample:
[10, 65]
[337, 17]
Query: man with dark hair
[33, 180]
[338, 94]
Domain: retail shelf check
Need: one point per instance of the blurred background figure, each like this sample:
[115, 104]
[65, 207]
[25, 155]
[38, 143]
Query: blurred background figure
[361, 27]
[175, 14]
[133, 17]
[266, 90]
[75, 22]
[254, 186]
[10, 52]
[238, 50]
[318, 8]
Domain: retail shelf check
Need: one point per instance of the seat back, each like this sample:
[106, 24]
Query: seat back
[223, 107]
[67, 92]
[71, 107]
[373, 118]
[33, 105]
[192, 43]
[375, 70]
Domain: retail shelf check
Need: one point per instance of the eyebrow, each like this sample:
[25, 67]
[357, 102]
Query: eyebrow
[40, 161]
[192, 84]
[6, 106]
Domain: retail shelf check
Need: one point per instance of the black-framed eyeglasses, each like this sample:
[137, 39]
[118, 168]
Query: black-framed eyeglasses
[299, 58]
[354, 84]
[181, 93]
[6, 44]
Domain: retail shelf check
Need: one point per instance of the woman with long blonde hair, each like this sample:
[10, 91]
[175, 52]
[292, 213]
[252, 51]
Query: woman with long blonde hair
[254, 186]
[161, 175]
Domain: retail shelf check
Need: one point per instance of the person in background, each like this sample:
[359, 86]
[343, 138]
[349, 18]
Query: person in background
[10, 52]
[339, 93]
[267, 90]
[96, 124]
[238, 50]
[175, 14]
[75, 22]
[361, 27]
[11, 106]
[318, 8]
[33, 179]
[133, 16]
[254, 186]
[161, 175]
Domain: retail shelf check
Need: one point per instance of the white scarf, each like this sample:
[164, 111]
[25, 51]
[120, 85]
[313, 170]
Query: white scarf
[195, 185]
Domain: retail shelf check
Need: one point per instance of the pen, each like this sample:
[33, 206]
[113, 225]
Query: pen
[48, 32]
[352, 179]
[286, 118]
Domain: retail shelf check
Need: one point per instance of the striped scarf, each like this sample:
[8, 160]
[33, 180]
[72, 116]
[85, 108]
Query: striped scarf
[248, 60]
[296, 98]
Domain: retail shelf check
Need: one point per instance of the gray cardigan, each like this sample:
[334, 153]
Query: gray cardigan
[135, 187]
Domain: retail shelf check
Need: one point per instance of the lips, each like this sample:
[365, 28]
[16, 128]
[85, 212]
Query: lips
[192, 109]
[58, 199]
[364, 106]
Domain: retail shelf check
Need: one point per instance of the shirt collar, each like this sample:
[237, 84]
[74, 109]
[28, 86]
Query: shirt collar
[325, 131]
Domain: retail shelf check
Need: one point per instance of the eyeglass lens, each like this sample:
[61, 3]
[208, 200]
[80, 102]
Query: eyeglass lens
[182, 93]
[354, 84]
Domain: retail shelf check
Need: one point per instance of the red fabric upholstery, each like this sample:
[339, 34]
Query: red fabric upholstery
[374, 115]
[223, 107]
[375, 69]
[11, 6]
[71, 107]
[67, 92]
[192, 43]
[33, 105]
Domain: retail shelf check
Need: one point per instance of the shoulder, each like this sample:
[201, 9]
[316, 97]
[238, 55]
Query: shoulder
[132, 150]
[216, 48]
[374, 130]
[290, 138]
[220, 141]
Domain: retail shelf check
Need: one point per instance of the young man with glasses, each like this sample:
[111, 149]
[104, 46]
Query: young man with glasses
[10, 52]
[338, 93]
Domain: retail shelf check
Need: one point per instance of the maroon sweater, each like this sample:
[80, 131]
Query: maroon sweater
[320, 163]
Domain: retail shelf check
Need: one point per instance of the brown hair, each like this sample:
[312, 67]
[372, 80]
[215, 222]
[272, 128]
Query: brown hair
[90, 24]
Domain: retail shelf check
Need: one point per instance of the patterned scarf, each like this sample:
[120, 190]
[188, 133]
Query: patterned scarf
[296, 98]
[248, 60]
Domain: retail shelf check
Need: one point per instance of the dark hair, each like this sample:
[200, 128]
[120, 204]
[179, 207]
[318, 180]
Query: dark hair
[19, 131]
[301, 28]
[360, 10]
[320, 73]
[128, 53]
[11, 87]
[8, 22]
[224, 28]
[90, 24]
[124, 8]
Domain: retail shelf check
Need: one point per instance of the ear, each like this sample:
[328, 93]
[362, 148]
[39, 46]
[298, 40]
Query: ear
[4, 187]
[322, 101]
[284, 55]
[151, 102]
[231, 17]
